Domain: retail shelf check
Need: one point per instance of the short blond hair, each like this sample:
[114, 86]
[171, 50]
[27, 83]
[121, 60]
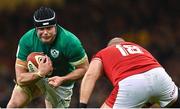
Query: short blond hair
[115, 40]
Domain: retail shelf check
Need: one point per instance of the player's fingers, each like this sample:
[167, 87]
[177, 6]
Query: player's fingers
[51, 79]
[48, 60]
[51, 84]
[42, 59]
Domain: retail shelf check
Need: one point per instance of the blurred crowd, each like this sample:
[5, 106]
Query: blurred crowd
[154, 24]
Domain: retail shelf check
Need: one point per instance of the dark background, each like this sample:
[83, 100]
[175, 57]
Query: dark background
[154, 24]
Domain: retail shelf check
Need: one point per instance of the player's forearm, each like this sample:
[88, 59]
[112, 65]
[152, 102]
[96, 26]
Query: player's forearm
[78, 72]
[87, 86]
[27, 78]
[89, 80]
[74, 75]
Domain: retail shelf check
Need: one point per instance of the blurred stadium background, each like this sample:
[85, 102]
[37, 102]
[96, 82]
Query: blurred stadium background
[154, 24]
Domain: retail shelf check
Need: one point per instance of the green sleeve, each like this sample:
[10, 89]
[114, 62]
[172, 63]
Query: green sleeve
[74, 50]
[23, 47]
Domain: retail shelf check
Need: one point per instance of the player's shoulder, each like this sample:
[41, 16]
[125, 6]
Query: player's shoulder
[67, 37]
[65, 34]
[29, 34]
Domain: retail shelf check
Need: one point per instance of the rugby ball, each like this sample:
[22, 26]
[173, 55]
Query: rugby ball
[33, 61]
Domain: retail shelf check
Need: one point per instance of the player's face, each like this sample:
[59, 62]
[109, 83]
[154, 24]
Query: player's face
[47, 34]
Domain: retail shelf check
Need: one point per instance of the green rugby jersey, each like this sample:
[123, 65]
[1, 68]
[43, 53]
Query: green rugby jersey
[65, 52]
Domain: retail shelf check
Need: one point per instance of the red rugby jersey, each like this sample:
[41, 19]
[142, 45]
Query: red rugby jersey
[125, 59]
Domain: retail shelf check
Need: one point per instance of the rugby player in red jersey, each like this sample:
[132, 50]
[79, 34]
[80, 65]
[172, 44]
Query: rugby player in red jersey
[136, 75]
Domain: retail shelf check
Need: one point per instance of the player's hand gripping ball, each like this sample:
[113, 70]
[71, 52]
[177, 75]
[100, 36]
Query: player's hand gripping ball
[33, 61]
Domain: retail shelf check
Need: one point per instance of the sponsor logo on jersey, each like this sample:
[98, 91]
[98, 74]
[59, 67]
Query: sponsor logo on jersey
[54, 53]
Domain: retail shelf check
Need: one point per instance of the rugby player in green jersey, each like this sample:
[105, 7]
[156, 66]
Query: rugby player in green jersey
[66, 62]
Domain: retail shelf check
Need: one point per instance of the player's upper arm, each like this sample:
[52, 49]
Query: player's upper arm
[20, 66]
[82, 62]
[95, 69]
[20, 63]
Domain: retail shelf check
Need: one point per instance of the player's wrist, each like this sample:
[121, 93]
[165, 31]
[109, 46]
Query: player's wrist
[39, 74]
[82, 105]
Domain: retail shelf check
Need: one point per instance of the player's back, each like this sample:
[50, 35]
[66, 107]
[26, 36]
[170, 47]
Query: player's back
[125, 59]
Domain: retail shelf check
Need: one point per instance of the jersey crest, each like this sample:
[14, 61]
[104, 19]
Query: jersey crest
[54, 53]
